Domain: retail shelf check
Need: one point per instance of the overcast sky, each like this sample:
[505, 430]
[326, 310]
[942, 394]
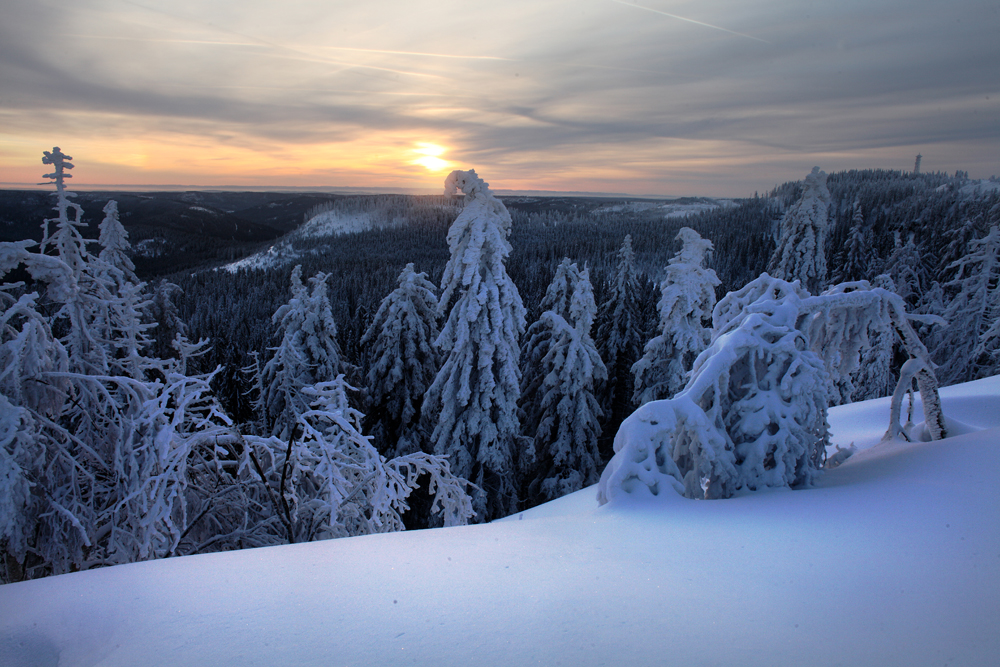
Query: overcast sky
[657, 96]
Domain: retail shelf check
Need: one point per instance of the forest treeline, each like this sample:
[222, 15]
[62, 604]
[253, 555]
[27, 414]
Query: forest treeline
[362, 268]
[454, 358]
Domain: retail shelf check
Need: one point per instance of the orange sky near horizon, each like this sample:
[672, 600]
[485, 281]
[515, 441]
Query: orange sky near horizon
[668, 97]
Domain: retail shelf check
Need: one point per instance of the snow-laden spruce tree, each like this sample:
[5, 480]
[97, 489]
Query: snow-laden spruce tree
[97, 454]
[115, 246]
[972, 313]
[163, 313]
[558, 399]
[875, 376]
[907, 269]
[753, 414]
[472, 404]
[801, 251]
[307, 354]
[404, 361]
[539, 338]
[323, 479]
[688, 297]
[619, 337]
[857, 255]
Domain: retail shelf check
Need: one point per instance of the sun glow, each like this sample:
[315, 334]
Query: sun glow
[430, 157]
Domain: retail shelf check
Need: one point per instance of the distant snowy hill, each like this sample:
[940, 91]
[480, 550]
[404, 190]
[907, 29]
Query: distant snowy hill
[679, 208]
[324, 225]
[330, 224]
[893, 559]
[345, 217]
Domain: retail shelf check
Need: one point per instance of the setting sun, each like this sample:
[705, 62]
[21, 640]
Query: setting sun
[430, 157]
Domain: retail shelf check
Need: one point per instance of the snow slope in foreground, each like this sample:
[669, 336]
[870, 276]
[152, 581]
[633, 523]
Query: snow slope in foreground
[893, 559]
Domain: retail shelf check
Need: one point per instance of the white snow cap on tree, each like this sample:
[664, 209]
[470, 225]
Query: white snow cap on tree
[474, 397]
[688, 297]
[801, 251]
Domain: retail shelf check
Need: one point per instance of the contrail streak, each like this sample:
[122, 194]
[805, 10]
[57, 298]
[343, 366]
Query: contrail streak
[157, 40]
[297, 54]
[681, 18]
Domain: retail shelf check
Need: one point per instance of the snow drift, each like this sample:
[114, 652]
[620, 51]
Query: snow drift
[893, 558]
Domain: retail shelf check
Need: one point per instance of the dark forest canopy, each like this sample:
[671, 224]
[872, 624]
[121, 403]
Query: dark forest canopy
[288, 296]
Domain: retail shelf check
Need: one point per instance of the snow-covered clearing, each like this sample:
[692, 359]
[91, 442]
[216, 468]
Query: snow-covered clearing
[680, 209]
[892, 559]
[324, 225]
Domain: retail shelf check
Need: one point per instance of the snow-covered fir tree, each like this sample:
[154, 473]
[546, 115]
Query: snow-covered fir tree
[114, 241]
[964, 349]
[619, 338]
[907, 269]
[958, 240]
[472, 404]
[558, 399]
[686, 303]
[875, 376]
[539, 338]
[324, 479]
[162, 311]
[98, 457]
[801, 250]
[753, 414]
[404, 361]
[307, 354]
[857, 255]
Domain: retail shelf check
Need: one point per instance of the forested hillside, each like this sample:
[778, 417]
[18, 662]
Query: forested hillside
[532, 327]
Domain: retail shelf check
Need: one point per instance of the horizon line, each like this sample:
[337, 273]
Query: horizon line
[334, 189]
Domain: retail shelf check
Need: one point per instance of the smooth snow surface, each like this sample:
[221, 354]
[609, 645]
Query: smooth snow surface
[893, 559]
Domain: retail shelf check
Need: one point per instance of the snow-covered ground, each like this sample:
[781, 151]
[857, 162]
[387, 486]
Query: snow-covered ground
[892, 559]
[679, 209]
[324, 225]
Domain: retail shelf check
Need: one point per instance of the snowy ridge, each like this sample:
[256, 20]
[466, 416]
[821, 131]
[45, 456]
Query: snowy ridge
[325, 225]
[980, 188]
[891, 559]
[679, 209]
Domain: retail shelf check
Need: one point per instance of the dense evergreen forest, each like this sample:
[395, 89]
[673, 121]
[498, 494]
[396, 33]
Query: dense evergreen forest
[324, 323]
[362, 267]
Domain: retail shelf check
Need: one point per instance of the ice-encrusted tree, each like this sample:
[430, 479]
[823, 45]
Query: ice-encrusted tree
[753, 414]
[472, 404]
[801, 250]
[562, 414]
[619, 337]
[162, 311]
[307, 354]
[972, 312]
[115, 245]
[907, 269]
[324, 479]
[99, 455]
[404, 361]
[857, 255]
[875, 377]
[686, 303]
[539, 338]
